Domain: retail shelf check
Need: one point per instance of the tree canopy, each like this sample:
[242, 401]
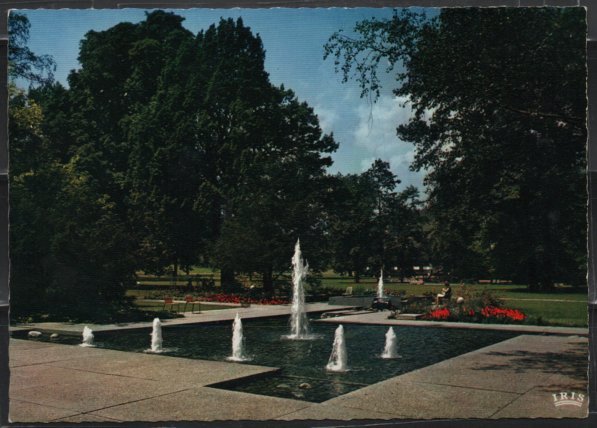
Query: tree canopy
[168, 150]
[498, 124]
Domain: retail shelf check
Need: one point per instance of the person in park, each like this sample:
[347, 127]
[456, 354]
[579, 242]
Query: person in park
[445, 294]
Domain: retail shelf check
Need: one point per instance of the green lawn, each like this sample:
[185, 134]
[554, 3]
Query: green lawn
[564, 306]
[567, 313]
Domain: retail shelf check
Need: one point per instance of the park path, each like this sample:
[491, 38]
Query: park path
[218, 315]
[381, 318]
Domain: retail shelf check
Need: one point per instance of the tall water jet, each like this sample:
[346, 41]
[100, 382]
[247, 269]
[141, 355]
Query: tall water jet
[380, 285]
[156, 336]
[390, 350]
[299, 327]
[87, 337]
[237, 340]
[338, 358]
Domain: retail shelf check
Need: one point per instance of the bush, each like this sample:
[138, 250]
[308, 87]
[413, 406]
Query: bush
[481, 307]
[487, 314]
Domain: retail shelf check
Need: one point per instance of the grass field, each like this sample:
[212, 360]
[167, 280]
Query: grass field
[564, 306]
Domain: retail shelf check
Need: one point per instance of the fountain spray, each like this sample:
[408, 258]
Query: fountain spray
[338, 357]
[156, 336]
[380, 285]
[87, 337]
[237, 340]
[299, 327]
[390, 347]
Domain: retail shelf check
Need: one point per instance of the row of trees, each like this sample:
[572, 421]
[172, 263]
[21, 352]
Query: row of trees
[499, 106]
[173, 149]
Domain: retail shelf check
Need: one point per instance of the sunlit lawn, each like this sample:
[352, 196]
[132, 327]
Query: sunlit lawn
[563, 306]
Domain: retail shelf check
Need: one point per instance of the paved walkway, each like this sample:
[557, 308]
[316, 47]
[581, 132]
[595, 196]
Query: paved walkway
[515, 378]
[218, 315]
[381, 318]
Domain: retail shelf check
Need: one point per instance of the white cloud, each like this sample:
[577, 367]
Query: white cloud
[328, 118]
[376, 128]
[375, 133]
[366, 163]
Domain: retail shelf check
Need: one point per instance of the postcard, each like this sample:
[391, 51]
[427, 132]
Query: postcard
[285, 214]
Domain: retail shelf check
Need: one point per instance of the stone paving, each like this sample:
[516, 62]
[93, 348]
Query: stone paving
[511, 379]
[381, 318]
[60, 383]
[514, 378]
[253, 311]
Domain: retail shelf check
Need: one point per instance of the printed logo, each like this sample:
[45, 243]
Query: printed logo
[568, 399]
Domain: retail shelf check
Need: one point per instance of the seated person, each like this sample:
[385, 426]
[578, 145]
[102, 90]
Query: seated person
[445, 294]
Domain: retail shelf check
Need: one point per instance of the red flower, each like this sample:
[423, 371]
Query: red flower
[231, 298]
[438, 314]
[502, 313]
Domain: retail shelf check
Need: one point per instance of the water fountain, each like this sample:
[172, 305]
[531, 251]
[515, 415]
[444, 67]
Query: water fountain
[380, 285]
[156, 336]
[299, 327]
[390, 350]
[337, 362]
[87, 337]
[237, 340]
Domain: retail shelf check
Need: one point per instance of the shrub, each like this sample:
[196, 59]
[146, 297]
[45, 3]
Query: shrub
[476, 307]
[498, 314]
[488, 314]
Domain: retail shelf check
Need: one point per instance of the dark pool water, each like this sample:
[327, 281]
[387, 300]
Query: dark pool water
[303, 361]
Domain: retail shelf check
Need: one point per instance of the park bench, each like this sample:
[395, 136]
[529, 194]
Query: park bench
[170, 301]
[190, 300]
[411, 300]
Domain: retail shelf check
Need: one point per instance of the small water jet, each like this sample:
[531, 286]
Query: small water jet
[299, 325]
[390, 349]
[237, 341]
[338, 357]
[156, 336]
[87, 337]
[380, 285]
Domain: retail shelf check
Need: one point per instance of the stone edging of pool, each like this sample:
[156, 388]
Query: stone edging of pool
[214, 316]
[513, 378]
[381, 318]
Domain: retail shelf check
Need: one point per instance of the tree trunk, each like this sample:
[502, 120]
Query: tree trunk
[227, 278]
[357, 277]
[268, 281]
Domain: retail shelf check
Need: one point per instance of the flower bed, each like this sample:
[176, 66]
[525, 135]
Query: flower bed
[232, 298]
[490, 312]
[487, 314]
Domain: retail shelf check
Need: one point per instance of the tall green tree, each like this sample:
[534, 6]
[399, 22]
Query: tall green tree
[351, 224]
[282, 191]
[375, 226]
[498, 100]
[95, 117]
[23, 63]
[231, 163]
[71, 242]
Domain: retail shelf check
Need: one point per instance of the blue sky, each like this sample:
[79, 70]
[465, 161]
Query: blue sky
[293, 40]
